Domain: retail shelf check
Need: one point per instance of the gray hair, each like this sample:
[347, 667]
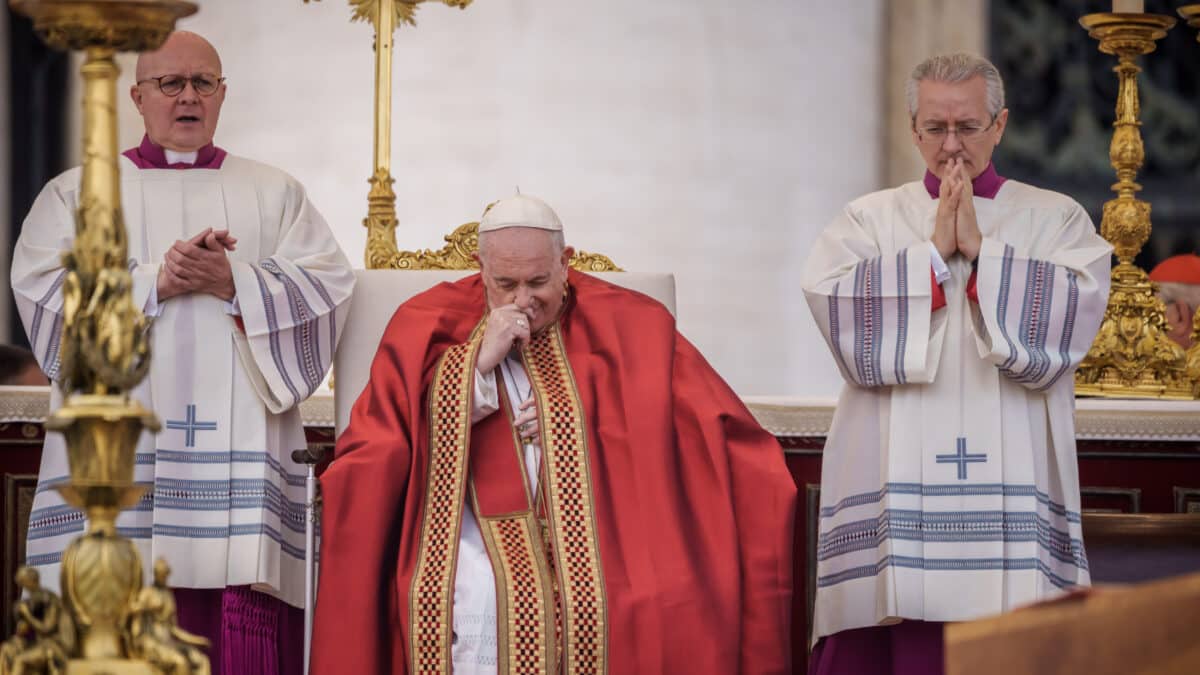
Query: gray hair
[958, 67]
[1174, 291]
[557, 240]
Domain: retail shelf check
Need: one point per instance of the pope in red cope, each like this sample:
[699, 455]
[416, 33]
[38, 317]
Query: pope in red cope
[543, 475]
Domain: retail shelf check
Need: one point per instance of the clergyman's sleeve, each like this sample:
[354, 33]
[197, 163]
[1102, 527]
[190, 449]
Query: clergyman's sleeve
[1039, 309]
[37, 273]
[293, 304]
[874, 309]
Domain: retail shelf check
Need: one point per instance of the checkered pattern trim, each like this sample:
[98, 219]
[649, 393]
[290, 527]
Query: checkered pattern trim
[431, 597]
[524, 592]
[571, 510]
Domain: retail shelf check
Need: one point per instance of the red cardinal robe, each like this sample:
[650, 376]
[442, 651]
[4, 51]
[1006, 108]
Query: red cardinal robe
[662, 543]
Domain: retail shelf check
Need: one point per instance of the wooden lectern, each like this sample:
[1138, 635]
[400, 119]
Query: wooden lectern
[1130, 630]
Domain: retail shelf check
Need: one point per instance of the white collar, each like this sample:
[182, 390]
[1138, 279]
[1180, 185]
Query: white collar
[180, 157]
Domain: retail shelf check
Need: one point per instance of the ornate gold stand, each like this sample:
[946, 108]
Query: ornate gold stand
[1191, 14]
[104, 354]
[1132, 355]
[382, 251]
[385, 16]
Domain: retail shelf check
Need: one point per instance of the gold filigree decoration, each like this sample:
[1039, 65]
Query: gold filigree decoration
[123, 25]
[104, 353]
[1193, 352]
[459, 254]
[1191, 14]
[1131, 355]
[381, 221]
[404, 10]
[45, 635]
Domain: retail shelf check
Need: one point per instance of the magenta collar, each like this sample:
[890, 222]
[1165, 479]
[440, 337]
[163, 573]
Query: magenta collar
[148, 155]
[985, 185]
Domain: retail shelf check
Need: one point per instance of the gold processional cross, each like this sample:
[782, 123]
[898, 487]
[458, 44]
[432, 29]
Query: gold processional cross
[382, 252]
[385, 16]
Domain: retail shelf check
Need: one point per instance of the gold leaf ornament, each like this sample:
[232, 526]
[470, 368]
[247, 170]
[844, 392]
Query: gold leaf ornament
[367, 11]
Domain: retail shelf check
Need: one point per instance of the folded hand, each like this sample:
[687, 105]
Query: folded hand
[199, 265]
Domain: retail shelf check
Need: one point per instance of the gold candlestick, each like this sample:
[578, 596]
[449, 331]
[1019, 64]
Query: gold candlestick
[1132, 355]
[1191, 14]
[105, 352]
[385, 16]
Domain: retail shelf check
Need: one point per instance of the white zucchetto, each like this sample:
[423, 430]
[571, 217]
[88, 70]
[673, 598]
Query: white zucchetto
[520, 211]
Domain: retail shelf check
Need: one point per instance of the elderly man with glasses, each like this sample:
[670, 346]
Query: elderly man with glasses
[247, 290]
[956, 308]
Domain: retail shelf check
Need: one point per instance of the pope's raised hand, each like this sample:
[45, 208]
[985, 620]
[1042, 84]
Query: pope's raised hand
[949, 195]
[967, 235]
[507, 327]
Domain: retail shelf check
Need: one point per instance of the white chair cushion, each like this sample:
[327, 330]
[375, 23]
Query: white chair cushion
[379, 292]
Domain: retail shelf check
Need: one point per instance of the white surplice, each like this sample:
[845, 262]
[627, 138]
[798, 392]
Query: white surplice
[949, 485]
[227, 504]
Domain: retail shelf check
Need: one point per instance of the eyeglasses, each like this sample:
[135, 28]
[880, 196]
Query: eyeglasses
[937, 133]
[173, 85]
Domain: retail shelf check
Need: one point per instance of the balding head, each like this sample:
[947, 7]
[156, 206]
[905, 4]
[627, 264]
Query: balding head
[185, 121]
[181, 44]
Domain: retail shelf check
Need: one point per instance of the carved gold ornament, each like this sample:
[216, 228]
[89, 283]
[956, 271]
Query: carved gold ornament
[1132, 355]
[459, 254]
[105, 353]
[382, 252]
[1191, 14]
[385, 16]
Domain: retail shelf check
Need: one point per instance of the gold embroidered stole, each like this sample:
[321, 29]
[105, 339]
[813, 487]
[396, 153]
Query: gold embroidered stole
[431, 596]
[526, 580]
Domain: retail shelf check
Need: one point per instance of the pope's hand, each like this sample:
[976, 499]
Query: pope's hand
[526, 423]
[507, 327]
[967, 235]
[949, 195]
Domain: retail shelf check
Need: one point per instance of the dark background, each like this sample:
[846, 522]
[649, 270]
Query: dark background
[38, 77]
[1061, 94]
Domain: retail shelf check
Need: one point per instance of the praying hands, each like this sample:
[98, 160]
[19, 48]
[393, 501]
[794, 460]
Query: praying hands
[198, 265]
[955, 229]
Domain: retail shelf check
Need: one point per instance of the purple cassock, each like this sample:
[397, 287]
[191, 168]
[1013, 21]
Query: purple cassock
[906, 648]
[250, 632]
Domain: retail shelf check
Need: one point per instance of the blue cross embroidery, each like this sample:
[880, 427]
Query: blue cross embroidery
[962, 458]
[190, 426]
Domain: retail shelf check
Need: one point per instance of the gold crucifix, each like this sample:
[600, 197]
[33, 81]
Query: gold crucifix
[385, 16]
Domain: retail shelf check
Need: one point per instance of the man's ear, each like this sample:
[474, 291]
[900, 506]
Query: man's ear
[566, 256]
[1001, 124]
[135, 94]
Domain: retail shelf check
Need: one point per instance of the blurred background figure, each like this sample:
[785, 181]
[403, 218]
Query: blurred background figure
[18, 366]
[1178, 280]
